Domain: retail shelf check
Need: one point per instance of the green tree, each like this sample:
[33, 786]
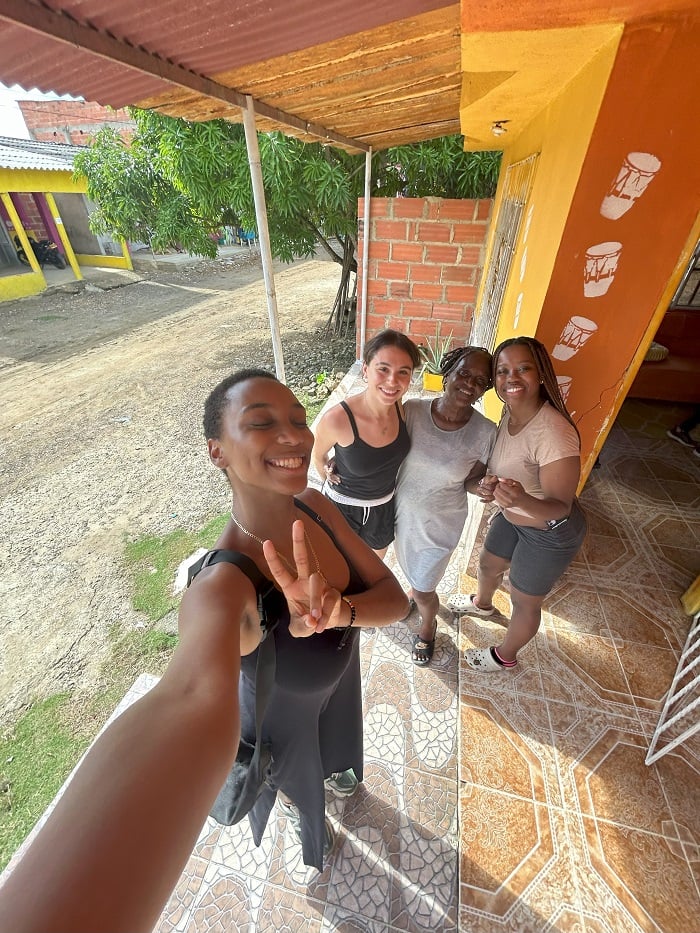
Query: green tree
[180, 182]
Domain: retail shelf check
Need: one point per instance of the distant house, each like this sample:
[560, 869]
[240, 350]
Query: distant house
[74, 122]
[39, 198]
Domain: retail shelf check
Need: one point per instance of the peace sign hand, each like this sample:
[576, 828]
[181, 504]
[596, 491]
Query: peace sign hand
[311, 601]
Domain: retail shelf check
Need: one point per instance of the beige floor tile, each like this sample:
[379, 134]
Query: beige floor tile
[685, 494]
[649, 671]
[506, 744]
[679, 775]
[581, 738]
[635, 617]
[601, 522]
[572, 664]
[636, 881]
[574, 608]
[516, 870]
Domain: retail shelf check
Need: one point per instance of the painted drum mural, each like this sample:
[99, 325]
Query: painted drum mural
[600, 268]
[636, 172]
[576, 332]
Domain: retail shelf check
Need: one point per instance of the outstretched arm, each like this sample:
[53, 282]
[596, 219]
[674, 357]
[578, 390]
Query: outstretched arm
[112, 850]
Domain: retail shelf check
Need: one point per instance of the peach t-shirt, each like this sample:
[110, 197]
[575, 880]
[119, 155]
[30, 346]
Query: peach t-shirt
[545, 439]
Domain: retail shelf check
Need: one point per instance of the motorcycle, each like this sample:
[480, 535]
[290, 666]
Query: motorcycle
[44, 250]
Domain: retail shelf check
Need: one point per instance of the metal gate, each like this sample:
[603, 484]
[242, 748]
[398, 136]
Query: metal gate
[517, 186]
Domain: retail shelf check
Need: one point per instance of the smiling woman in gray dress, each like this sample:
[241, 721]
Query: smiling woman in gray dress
[450, 447]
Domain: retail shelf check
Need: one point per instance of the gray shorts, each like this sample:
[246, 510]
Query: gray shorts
[537, 558]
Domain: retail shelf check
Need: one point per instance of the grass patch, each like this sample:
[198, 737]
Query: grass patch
[36, 756]
[152, 561]
[311, 403]
[38, 753]
[48, 317]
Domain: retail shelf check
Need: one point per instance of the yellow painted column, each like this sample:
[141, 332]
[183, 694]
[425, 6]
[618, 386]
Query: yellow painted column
[127, 255]
[26, 283]
[17, 223]
[65, 242]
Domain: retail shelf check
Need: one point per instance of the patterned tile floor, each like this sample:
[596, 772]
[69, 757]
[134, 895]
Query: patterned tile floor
[562, 825]
[518, 801]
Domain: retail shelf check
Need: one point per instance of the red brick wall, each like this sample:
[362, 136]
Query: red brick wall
[36, 224]
[425, 261]
[69, 121]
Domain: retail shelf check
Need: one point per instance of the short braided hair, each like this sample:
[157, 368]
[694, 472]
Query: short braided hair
[452, 360]
[549, 389]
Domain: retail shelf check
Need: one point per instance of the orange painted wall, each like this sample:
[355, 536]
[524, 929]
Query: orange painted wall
[497, 16]
[649, 107]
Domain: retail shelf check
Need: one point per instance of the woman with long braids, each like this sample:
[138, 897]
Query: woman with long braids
[450, 446]
[534, 472]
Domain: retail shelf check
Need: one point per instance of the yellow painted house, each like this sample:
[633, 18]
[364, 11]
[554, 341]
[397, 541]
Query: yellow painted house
[39, 198]
[596, 220]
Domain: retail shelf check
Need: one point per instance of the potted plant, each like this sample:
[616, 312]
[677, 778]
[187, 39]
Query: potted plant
[433, 352]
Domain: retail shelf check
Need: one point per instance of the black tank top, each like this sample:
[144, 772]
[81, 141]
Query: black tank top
[370, 472]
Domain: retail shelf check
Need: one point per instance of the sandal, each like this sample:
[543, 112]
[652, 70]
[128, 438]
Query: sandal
[423, 649]
[411, 609]
[483, 661]
[458, 602]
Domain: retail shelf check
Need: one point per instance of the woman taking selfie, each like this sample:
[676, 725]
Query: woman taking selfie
[257, 435]
[112, 849]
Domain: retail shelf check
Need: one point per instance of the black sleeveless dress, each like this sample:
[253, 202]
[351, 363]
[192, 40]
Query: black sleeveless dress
[314, 718]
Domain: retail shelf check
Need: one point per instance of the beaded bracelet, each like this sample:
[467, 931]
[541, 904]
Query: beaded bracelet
[353, 615]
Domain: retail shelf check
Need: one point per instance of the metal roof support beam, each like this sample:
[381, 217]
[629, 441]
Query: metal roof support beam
[365, 251]
[61, 27]
[251, 139]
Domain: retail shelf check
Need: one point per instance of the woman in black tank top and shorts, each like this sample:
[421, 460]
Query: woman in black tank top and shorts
[361, 442]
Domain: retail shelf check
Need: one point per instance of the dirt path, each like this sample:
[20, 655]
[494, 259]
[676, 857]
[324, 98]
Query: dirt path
[102, 394]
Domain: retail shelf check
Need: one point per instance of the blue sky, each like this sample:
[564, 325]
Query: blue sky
[11, 120]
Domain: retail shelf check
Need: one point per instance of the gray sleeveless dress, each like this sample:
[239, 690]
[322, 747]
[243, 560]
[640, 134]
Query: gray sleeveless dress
[431, 502]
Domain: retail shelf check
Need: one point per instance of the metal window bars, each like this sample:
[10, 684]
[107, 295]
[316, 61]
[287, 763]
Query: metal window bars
[517, 186]
[688, 292]
[682, 700]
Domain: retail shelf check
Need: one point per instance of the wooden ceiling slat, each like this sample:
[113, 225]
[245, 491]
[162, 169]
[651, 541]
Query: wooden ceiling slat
[356, 81]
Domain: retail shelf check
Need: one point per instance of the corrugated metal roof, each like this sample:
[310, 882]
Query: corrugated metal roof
[29, 153]
[220, 40]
